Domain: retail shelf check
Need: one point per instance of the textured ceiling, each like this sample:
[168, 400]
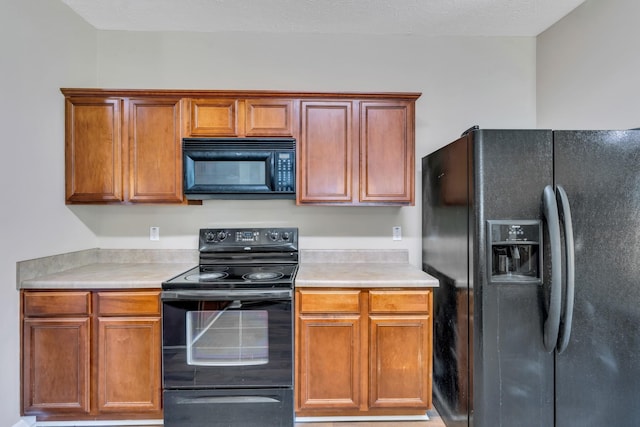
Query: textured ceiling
[421, 17]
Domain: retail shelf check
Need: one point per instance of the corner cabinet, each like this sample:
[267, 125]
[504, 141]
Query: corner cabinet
[363, 352]
[91, 355]
[357, 152]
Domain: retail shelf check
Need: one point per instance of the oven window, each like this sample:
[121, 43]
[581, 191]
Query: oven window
[215, 172]
[227, 338]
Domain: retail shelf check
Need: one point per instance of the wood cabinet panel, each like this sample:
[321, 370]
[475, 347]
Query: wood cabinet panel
[381, 336]
[214, 117]
[326, 152]
[93, 149]
[400, 367]
[129, 365]
[55, 376]
[346, 301]
[56, 303]
[155, 150]
[270, 117]
[399, 301]
[387, 152]
[123, 303]
[331, 358]
[102, 365]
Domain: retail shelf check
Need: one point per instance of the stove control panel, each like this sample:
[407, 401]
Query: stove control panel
[227, 239]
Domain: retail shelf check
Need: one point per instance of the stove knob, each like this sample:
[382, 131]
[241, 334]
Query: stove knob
[273, 236]
[222, 235]
[285, 236]
[209, 236]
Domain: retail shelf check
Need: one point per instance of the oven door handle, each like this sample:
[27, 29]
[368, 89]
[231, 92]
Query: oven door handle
[227, 400]
[226, 295]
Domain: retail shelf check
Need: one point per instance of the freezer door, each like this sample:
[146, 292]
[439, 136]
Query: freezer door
[598, 375]
[512, 371]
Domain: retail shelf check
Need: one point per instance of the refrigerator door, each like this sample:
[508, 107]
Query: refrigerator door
[598, 375]
[490, 365]
[512, 371]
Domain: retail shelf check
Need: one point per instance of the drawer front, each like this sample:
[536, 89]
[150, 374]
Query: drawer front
[143, 303]
[347, 301]
[63, 303]
[407, 301]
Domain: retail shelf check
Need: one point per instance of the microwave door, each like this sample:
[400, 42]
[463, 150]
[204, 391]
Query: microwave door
[211, 171]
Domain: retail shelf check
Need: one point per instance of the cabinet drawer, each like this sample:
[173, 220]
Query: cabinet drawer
[146, 303]
[56, 303]
[399, 301]
[329, 301]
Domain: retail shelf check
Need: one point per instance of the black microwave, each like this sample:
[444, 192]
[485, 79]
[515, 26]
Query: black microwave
[239, 168]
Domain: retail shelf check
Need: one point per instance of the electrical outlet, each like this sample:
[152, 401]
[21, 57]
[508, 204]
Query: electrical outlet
[397, 233]
[154, 233]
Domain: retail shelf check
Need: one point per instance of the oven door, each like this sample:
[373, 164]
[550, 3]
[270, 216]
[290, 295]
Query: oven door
[227, 339]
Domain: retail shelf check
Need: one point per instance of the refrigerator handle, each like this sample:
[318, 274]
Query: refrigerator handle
[569, 262]
[552, 322]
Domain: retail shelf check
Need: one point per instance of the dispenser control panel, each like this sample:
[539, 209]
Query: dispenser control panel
[515, 251]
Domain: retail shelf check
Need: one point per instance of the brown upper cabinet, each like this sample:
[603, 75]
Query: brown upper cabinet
[357, 152]
[155, 150]
[94, 148]
[220, 117]
[120, 149]
[124, 146]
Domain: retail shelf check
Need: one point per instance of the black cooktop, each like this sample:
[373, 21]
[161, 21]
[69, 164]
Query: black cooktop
[242, 258]
[250, 276]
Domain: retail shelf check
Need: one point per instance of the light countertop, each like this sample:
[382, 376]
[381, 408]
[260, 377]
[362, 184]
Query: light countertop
[109, 276]
[362, 275]
[358, 268]
[116, 269]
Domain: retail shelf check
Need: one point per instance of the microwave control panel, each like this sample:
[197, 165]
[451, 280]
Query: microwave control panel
[285, 174]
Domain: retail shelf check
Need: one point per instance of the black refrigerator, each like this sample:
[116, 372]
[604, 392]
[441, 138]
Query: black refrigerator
[534, 236]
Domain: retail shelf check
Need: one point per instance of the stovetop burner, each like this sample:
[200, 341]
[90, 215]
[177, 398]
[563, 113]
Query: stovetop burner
[263, 275]
[206, 277]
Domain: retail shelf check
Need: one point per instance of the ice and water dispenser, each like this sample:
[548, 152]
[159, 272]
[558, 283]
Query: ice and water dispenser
[515, 251]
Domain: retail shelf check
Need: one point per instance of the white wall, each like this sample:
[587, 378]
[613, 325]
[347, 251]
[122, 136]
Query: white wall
[464, 81]
[44, 46]
[588, 66]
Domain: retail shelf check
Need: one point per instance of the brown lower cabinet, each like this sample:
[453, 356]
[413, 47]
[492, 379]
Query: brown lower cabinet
[363, 352]
[91, 354]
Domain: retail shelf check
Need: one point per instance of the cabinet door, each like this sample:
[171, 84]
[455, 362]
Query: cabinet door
[55, 376]
[387, 152]
[326, 153]
[93, 150]
[129, 364]
[155, 154]
[329, 362]
[215, 117]
[269, 117]
[400, 361]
